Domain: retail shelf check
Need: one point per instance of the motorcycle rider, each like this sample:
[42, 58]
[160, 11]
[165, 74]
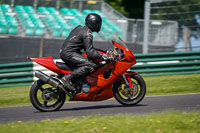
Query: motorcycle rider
[81, 38]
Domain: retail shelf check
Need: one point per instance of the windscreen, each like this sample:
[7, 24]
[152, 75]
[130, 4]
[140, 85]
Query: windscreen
[119, 51]
[120, 41]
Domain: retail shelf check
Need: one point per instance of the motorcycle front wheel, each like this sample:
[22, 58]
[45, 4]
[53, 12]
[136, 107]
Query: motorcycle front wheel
[45, 97]
[130, 95]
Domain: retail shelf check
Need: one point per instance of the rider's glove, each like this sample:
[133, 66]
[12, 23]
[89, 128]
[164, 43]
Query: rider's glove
[105, 57]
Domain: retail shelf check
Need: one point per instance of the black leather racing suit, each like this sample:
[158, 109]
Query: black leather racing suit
[80, 38]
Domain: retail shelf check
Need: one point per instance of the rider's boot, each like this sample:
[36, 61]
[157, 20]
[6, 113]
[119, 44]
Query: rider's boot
[67, 82]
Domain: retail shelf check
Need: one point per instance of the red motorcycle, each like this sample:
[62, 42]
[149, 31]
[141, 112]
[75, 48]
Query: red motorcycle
[110, 79]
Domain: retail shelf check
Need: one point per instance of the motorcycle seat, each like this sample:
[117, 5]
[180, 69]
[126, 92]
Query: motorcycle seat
[63, 66]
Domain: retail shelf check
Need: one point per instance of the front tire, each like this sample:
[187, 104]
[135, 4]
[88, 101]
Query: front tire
[46, 98]
[130, 96]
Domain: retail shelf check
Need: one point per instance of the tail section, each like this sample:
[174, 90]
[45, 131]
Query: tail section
[48, 63]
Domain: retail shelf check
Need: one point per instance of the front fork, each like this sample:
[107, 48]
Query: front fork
[127, 81]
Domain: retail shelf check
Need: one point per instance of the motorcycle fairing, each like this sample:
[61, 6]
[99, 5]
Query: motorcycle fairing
[48, 63]
[97, 93]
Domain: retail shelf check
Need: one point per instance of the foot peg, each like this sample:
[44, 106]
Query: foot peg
[61, 87]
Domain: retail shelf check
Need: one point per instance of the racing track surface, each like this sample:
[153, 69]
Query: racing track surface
[187, 102]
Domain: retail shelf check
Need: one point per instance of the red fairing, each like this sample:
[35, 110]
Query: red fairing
[127, 52]
[48, 63]
[129, 73]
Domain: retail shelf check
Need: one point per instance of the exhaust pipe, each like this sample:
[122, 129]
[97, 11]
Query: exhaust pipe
[51, 81]
[47, 79]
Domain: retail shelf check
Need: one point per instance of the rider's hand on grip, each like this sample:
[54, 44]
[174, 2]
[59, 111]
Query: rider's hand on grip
[110, 54]
[107, 58]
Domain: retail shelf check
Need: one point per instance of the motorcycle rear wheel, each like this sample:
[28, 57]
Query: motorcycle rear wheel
[46, 98]
[130, 96]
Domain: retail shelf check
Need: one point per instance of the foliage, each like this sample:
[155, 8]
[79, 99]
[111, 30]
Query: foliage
[4, 2]
[182, 11]
[118, 5]
[129, 8]
[135, 8]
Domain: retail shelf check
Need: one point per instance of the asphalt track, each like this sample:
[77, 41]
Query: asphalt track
[155, 104]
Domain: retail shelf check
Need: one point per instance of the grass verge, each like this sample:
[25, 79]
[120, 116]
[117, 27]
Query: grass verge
[168, 122]
[175, 84]
[160, 85]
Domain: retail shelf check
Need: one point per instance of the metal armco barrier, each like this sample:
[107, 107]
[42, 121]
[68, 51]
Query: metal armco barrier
[167, 63]
[16, 74]
[154, 64]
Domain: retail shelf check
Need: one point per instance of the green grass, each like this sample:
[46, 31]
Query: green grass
[160, 85]
[176, 84]
[14, 96]
[168, 122]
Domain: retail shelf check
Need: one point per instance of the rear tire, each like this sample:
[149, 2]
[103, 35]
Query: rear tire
[46, 98]
[132, 97]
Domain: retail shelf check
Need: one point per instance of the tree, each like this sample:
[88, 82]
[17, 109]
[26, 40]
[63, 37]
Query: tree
[182, 11]
[135, 8]
[129, 8]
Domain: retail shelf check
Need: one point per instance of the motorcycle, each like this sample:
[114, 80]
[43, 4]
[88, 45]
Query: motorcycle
[110, 79]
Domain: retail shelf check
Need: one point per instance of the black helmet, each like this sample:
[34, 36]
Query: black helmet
[93, 21]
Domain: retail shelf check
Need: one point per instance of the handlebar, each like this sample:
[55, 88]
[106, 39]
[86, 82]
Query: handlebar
[114, 55]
